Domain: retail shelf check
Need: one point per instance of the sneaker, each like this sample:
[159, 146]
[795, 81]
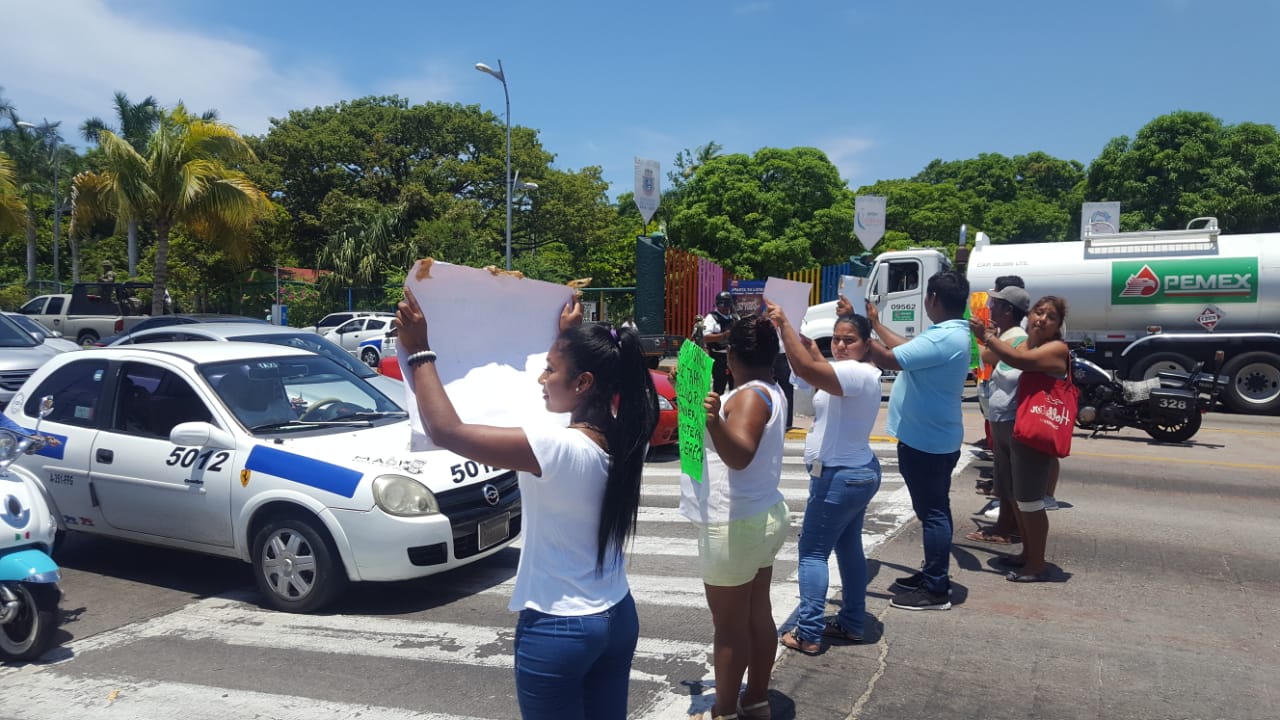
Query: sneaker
[921, 599]
[910, 582]
[1050, 503]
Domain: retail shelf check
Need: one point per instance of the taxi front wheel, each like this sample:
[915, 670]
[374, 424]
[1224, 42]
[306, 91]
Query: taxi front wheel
[295, 566]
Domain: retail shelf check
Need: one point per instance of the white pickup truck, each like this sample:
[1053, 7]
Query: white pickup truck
[90, 311]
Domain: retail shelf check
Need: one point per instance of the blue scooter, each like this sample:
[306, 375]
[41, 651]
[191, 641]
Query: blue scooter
[29, 592]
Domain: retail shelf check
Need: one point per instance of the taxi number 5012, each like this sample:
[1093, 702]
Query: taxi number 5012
[186, 457]
[469, 469]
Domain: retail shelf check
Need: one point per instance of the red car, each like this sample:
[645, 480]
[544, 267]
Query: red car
[665, 433]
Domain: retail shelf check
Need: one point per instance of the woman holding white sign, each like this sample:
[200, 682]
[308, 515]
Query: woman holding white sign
[844, 474]
[580, 491]
[741, 517]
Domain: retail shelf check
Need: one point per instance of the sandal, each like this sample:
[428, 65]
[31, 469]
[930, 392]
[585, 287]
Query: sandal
[792, 640]
[990, 537]
[835, 630]
[757, 711]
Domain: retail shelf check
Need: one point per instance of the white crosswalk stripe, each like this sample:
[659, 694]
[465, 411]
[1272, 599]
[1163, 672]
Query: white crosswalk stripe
[470, 631]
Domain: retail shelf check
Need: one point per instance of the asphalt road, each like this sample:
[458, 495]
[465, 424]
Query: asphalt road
[158, 633]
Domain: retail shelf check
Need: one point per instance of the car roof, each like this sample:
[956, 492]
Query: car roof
[197, 351]
[225, 330]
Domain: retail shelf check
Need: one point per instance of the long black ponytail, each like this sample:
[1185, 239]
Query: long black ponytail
[614, 358]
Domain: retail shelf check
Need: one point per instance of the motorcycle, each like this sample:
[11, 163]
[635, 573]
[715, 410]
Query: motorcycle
[1168, 407]
[29, 593]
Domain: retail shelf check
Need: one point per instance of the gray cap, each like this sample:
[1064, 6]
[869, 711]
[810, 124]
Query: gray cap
[1013, 295]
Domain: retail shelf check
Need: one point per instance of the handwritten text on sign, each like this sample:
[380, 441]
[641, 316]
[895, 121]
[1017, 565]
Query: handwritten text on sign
[693, 382]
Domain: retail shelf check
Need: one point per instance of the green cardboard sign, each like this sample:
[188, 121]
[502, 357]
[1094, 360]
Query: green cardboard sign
[693, 382]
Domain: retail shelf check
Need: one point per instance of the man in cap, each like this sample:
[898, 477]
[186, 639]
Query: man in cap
[108, 274]
[715, 333]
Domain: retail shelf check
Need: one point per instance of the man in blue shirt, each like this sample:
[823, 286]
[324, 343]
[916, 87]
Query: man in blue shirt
[925, 415]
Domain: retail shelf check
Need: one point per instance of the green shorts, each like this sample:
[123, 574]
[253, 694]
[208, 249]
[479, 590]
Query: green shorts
[730, 554]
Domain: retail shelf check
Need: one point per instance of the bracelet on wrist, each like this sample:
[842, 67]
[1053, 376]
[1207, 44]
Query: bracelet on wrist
[422, 356]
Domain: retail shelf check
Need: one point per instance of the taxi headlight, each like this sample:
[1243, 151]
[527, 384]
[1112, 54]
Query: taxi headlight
[8, 444]
[402, 496]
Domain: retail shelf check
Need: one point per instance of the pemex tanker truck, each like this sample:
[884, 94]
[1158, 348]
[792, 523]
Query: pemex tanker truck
[1138, 302]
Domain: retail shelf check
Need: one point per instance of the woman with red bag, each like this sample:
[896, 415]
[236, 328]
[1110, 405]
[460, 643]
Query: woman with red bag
[1043, 353]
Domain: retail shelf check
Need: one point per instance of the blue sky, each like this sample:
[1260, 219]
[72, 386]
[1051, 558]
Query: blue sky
[882, 87]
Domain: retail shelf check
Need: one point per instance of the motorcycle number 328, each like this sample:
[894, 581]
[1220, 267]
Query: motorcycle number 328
[1172, 403]
[186, 457]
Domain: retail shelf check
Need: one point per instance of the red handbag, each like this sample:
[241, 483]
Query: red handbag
[1046, 413]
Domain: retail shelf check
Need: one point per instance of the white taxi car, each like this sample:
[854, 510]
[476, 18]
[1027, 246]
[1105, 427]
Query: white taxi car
[273, 455]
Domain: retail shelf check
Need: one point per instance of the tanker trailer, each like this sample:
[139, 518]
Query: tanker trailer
[1142, 302]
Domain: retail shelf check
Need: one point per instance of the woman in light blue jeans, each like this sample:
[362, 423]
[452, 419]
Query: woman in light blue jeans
[844, 474]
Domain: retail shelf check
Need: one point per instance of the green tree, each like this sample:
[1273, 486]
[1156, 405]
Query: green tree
[13, 210]
[770, 213]
[186, 177]
[1189, 164]
[136, 123]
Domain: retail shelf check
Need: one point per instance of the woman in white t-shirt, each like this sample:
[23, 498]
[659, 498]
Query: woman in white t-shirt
[741, 517]
[580, 493]
[844, 474]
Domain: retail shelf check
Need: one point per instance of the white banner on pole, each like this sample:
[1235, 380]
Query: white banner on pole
[1099, 218]
[648, 188]
[868, 219]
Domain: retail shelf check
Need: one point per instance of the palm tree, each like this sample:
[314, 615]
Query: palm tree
[13, 211]
[186, 177]
[27, 146]
[136, 123]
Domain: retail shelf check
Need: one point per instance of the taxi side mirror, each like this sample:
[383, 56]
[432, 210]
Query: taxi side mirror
[201, 434]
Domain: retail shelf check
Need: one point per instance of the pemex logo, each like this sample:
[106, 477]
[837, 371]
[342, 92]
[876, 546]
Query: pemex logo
[1141, 284]
[1198, 280]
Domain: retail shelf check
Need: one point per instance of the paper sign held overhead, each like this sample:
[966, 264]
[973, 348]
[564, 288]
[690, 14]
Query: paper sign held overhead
[491, 377]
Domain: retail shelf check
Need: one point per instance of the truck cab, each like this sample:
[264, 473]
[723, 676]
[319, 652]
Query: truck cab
[895, 285]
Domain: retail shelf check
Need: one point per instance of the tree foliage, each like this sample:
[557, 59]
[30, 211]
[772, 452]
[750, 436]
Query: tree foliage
[766, 214]
[186, 177]
[1189, 164]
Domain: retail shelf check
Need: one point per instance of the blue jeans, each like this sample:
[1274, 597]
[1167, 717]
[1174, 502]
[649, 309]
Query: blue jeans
[833, 520]
[928, 479]
[576, 667]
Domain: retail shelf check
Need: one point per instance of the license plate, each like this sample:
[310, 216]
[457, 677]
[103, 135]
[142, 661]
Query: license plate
[494, 530]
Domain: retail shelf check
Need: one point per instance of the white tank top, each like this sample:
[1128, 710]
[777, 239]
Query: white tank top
[726, 494]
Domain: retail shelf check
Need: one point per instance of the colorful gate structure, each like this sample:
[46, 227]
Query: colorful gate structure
[693, 281]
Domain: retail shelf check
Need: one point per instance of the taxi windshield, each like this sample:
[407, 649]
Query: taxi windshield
[297, 393]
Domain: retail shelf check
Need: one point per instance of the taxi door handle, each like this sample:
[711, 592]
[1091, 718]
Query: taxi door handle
[105, 456]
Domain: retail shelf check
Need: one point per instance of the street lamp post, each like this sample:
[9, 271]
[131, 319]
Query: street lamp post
[57, 208]
[501, 76]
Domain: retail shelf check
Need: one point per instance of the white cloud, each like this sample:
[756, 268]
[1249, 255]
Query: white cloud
[845, 153]
[100, 49]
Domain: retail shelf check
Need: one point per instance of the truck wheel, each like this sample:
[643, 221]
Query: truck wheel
[1253, 383]
[87, 338]
[1181, 432]
[1154, 363]
[295, 565]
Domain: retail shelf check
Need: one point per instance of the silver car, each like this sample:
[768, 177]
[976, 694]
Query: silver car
[21, 354]
[274, 335]
[42, 333]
